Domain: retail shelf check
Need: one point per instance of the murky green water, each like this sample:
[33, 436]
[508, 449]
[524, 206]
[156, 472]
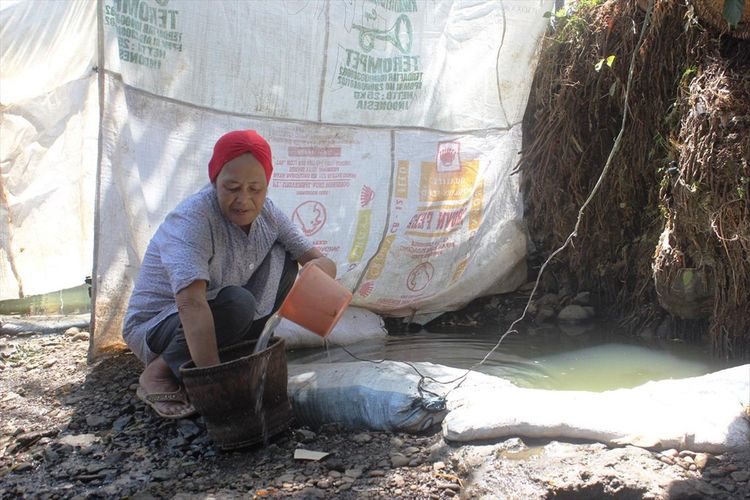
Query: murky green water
[595, 359]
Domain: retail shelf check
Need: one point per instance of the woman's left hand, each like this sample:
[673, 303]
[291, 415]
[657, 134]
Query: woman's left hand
[315, 257]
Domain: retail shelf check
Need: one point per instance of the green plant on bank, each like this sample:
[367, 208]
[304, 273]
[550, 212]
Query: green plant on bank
[660, 148]
[568, 20]
[609, 60]
[672, 120]
[742, 188]
[687, 76]
[664, 210]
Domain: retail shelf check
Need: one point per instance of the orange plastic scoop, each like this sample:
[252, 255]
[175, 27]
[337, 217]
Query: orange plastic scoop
[316, 301]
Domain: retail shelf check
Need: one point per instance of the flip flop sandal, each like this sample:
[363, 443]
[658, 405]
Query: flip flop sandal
[177, 396]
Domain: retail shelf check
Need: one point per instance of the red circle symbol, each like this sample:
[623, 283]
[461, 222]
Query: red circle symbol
[310, 216]
[420, 277]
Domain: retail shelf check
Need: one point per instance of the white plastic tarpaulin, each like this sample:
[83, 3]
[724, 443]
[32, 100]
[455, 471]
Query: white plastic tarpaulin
[49, 113]
[394, 124]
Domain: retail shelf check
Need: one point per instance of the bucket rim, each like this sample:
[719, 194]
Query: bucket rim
[189, 369]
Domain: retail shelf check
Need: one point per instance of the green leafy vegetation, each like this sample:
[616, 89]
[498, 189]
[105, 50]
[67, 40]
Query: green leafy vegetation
[572, 19]
[608, 61]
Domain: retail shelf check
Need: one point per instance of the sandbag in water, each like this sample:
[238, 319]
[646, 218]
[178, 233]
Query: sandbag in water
[361, 395]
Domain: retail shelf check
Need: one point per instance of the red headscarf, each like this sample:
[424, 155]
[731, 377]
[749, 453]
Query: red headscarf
[233, 144]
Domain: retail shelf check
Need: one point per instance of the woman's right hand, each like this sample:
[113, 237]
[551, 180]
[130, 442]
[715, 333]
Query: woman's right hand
[198, 324]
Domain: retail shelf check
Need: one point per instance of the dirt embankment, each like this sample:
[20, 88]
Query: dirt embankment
[666, 241]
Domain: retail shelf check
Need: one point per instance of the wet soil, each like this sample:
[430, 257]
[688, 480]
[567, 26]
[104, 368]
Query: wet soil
[69, 429]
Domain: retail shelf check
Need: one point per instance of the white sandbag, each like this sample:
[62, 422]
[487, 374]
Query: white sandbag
[362, 395]
[382, 396]
[701, 414]
[355, 325]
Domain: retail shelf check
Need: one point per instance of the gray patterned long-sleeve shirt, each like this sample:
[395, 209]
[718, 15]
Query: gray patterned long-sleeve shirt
[196, 242]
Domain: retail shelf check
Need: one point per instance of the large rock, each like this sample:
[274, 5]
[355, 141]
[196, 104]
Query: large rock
[574, 313]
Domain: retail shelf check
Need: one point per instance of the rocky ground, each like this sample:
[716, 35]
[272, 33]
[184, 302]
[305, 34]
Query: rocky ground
[69, 429]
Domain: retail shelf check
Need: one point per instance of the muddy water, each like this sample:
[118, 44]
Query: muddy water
[593, 359]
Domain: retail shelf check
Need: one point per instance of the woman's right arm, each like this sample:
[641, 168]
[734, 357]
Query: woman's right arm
[198, 323]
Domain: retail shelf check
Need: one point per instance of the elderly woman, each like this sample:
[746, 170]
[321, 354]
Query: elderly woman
[216, 268]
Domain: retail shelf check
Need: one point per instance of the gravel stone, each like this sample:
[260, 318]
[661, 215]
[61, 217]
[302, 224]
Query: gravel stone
[701, 460]
[717, 472]
[312, 493]
[573, 313]
[396, 442]
[96, 421]
[362, 438]
[22, 467]
[305, 435]
[353, 473]
[188, 429]
[121, 423]
[740, 476]
[727, 484]
[399, 460]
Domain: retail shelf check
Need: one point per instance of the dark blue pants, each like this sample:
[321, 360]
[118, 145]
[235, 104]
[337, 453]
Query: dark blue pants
[233, 310]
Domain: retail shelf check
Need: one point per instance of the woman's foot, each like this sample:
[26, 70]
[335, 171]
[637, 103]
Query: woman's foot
[159, 389]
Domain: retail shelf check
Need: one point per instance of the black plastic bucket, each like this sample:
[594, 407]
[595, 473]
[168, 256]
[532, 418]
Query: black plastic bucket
[243, 400]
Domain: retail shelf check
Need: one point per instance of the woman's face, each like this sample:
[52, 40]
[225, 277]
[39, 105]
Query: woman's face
[241, 190]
